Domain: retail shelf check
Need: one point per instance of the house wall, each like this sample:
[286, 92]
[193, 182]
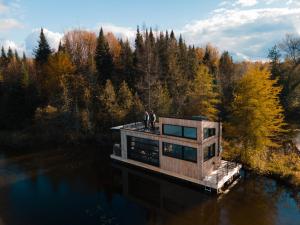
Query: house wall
[191, 169]
[211, 164]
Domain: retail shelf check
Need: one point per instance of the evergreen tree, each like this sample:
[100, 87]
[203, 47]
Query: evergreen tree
[126, 64]
[3, 58]
[139, 57]
[202, 99]
[24, 58]
[257, 116]
[226, 77]
[10, 55]
[43, 50]
[17, 56]
[103, 59]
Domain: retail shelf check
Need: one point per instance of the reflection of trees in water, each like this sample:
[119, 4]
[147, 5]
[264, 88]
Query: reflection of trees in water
[88, 171]
[87, 166]
[81, 170]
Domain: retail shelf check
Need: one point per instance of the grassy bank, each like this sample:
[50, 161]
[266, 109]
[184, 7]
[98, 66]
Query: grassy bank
[282, 164]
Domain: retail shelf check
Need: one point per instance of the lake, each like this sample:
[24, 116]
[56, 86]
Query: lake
[83, 186]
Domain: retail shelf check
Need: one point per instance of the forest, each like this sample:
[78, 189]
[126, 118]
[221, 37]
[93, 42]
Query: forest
[92, 82]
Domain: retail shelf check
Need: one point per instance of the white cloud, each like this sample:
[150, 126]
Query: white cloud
[31, 41]
[245, 3]
[7, 24]
[120, 32]
[248, 33]
[11, 44]
[3, 8]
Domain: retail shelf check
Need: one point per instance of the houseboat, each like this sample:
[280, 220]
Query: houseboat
[185, 148]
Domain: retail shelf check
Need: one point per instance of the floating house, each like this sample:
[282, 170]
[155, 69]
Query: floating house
[185, 148]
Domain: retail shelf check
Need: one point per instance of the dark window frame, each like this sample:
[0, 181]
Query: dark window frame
[209, 129]
[139, 148]
[182, 131]
[182, 152]
[211, 152]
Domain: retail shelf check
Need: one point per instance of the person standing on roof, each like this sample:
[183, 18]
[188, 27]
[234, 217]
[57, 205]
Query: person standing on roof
[152, 119]
[146, 119]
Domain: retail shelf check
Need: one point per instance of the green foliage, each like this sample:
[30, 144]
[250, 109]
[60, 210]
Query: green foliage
[103, 59]
[43, 50]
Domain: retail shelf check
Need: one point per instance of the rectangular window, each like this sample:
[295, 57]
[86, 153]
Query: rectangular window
[180, 152]
[209, 132]
[190, 154]
[190, 132]
[172, 130]
[180, 131]
[143, 150]
[209, 151]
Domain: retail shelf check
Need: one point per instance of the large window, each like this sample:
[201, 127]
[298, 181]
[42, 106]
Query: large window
[143, 150]
[180, 152]
[209, 151]
[180, 131]
[209, 132]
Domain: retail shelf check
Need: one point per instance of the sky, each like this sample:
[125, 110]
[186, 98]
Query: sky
[245, 28]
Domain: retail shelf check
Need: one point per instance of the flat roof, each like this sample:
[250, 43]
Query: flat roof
[196, 117]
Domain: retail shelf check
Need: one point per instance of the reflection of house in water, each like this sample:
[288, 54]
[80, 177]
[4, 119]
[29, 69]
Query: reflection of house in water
[187, 149]
[157, 193]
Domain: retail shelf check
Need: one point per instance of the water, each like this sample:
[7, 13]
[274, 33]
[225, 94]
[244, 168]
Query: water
[83, 186]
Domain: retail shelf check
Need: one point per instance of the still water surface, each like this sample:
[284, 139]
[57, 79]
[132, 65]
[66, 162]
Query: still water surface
[83, 186]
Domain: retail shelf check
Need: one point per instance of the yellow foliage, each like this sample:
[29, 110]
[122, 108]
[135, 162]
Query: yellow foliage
[202, 99]
[257, 116]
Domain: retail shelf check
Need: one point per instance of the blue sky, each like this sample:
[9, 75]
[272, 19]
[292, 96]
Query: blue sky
[247, 28]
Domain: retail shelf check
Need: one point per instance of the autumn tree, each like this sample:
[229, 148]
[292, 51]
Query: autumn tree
[81, 46]
[161, 101]
[257, 116]
[109, 108]
[202, 98]
[124, 101]
[59, 65]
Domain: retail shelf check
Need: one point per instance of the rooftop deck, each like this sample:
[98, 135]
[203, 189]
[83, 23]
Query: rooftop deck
[138, 126]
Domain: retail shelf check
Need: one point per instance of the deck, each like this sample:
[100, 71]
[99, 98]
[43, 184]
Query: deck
[215, 181]
[138, 126]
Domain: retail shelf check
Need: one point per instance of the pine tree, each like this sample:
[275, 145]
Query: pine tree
[226, 77]
[17, 56]
[257, 116]
[24, 58]
[202, 99]
[139, 57]
[103, 59]
[43, 50]
[10, 55]
[3, 58]
[125, 66]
